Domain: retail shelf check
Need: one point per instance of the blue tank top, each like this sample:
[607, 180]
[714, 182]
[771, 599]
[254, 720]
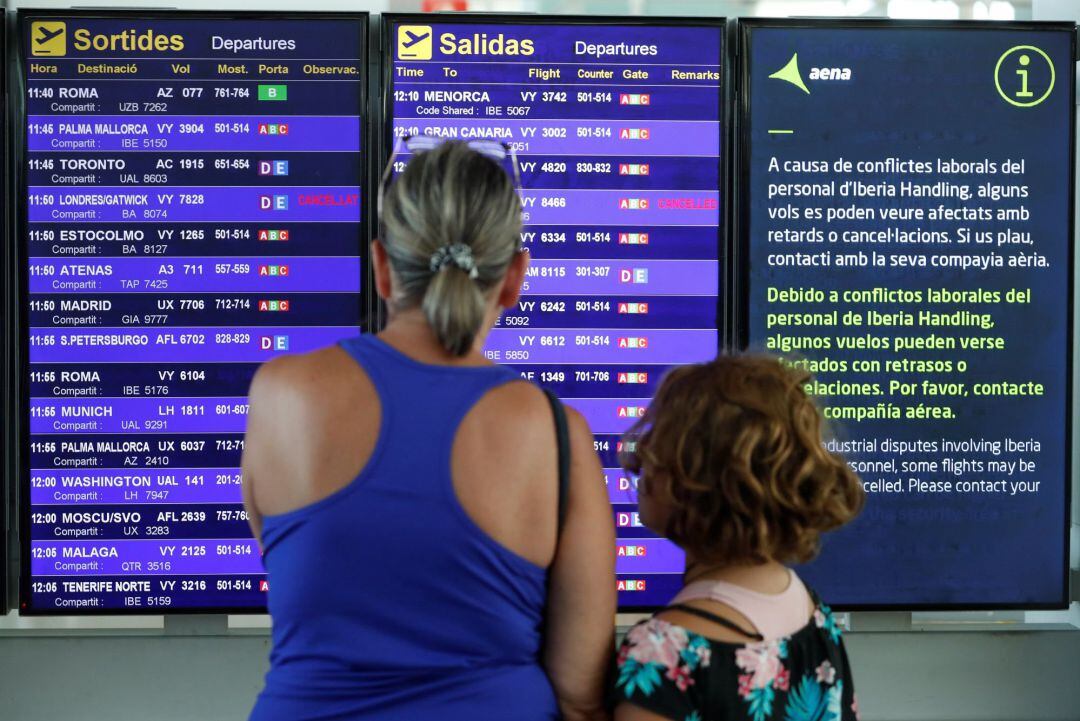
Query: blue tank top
[388, 601]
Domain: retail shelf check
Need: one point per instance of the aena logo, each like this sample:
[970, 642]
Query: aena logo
[830, 73]
[790, 74]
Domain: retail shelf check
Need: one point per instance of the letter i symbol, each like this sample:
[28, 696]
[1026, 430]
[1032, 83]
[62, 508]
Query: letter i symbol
[1023, 73]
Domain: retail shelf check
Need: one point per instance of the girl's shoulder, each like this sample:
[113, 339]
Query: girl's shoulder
[662, 667]
[683, 675]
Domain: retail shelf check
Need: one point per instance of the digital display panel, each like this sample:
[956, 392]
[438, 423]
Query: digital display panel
[619, 129]
[193, 207]
[907, 192]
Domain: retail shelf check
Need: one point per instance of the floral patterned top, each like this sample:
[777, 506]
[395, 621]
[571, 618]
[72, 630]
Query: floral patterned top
[683, 676]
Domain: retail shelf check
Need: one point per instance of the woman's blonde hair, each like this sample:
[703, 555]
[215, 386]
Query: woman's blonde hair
[448, 197]
[733, 449]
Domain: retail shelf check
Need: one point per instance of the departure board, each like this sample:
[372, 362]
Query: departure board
[909, 222]
[193, 207]
[618, 128]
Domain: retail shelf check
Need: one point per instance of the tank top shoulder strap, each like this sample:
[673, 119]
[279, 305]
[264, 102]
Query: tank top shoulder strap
[361, 349]
[718, 620]
[814, 597]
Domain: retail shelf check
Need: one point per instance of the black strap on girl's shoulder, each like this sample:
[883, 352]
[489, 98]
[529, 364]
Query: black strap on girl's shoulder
[813, 596]
[562, 437]
[720, 620]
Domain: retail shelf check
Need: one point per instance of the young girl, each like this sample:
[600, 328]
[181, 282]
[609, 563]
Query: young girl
[732, 469]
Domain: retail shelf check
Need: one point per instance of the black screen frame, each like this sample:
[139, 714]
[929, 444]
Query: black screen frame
[386, 45]
[741, 265]
[7, 516]
[20, 277]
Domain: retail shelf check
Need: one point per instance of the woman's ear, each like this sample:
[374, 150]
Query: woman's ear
[380, 263]
[510, 291]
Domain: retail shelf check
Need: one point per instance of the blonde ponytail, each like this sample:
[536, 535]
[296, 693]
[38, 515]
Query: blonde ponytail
[453, 224]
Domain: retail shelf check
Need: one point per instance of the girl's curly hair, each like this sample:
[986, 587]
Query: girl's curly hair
[733, 449]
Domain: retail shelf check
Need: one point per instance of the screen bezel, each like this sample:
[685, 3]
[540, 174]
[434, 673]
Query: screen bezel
[20, 278]
[386, 44]
[7, 518]
[740, 280]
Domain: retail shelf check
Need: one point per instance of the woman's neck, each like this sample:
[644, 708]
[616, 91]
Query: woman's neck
[767, 577]
[409, 332]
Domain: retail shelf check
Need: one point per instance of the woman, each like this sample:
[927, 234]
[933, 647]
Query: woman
[405, 491]
[732, 469]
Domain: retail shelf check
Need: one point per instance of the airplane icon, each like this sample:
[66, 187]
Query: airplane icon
[414, 42]
[49, 38]
[46, 36]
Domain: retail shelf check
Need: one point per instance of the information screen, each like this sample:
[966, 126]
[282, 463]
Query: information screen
[618, 128]
[908, 200]
[193, 207]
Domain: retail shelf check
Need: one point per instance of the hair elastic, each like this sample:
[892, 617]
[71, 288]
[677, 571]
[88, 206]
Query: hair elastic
[457, 254]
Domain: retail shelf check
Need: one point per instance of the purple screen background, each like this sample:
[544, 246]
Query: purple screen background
[187, 219]
[580, 122]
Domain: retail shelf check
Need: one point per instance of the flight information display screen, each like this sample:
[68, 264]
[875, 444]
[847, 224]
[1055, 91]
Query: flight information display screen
[908, 198]
[193, 207]
[618, 130]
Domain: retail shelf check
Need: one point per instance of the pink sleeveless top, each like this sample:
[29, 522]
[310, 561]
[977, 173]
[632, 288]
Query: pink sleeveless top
[774, 615]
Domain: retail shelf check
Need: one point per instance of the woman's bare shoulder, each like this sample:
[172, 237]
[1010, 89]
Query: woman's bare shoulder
[309, 399]
[312, 423]
[511, 412]
[297, 375]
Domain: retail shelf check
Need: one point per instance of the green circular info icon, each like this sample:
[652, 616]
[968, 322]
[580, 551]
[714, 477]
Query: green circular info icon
[1017, 62]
